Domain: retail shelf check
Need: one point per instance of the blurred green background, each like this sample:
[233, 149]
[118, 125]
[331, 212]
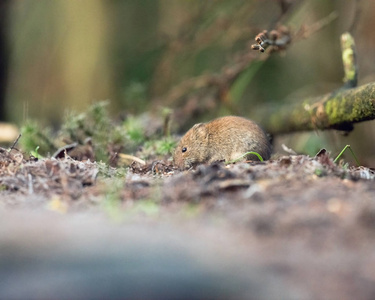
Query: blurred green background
[66, 54]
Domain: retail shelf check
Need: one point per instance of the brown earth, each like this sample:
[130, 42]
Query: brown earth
[295, 227]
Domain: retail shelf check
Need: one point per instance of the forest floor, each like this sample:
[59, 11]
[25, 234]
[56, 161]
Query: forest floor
[296, 227]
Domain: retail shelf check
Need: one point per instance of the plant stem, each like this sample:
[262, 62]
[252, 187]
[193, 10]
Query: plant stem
[243, 155]
[343, 150]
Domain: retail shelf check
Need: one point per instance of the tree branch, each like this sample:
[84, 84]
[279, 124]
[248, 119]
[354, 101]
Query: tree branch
[337, 110]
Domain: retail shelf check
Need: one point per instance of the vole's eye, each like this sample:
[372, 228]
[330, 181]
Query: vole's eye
[184, 149]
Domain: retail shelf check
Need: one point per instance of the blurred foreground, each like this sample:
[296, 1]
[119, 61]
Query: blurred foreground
[292, 228]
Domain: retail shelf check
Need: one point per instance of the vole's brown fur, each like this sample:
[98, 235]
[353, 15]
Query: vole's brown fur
[226, 138]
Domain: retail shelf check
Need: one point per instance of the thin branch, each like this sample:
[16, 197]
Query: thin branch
[280, 38]
[356, 17]
[275, 40]
[15, 142]
[306, 31]
[349, 59]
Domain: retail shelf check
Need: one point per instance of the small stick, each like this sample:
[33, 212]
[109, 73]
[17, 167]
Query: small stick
[357, 14]
[349, 60]
[132, 158]
[15, 142]
[31, 189]
[167, 122]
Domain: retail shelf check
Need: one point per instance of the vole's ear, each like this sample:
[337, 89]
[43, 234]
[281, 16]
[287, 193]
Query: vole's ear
[197, 125]
[200, 130]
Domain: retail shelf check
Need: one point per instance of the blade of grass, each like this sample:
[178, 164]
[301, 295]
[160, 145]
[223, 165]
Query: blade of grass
[243, 155]
[342, 152]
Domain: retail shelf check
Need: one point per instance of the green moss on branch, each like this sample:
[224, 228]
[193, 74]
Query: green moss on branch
[338, 110]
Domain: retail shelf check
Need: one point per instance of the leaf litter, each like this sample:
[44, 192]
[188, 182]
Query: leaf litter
[306, 220]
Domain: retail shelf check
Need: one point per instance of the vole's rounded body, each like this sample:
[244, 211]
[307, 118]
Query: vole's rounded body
[225, 138]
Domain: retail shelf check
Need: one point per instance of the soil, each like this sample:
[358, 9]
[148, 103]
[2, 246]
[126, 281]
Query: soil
[295, 227]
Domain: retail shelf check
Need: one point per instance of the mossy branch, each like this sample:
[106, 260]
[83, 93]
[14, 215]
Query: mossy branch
[337, 110]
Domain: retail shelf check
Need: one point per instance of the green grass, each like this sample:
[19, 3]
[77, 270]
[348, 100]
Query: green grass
[36, 139]
[106, 136]
[351, 151]
[245, 154]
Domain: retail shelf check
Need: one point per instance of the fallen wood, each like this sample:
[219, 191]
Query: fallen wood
[336, 110]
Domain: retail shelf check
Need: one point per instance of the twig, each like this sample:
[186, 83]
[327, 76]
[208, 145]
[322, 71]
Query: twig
[15, 142]
[31, 188]
[275, 40]
[130, 158]
[279, 38]
[349, 59]
[356, 17]
[306, 31]
[167, 122]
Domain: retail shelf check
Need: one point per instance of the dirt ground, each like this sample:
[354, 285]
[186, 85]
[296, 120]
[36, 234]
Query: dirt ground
[295, 227]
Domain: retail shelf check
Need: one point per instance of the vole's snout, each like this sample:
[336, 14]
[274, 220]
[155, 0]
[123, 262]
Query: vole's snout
[181, 157]
[177, 159]
[177, 164]
[181, 164]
